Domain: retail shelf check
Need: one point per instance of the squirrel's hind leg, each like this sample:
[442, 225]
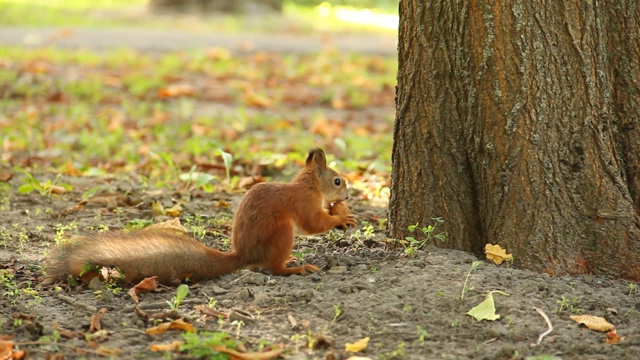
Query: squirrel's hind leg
[280, 255]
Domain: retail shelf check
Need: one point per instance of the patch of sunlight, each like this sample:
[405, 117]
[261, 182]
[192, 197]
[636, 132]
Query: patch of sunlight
[358, 16]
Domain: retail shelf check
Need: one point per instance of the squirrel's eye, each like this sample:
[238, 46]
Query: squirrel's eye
[337, 181]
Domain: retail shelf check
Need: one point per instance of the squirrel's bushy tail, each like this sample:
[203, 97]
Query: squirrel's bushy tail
[167, 254]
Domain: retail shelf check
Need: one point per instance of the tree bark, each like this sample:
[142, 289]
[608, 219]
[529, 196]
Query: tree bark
[517, 122]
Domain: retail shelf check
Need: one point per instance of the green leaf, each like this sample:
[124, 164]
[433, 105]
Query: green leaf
[181, 292]
[89, 193]
[486, 310]
[26, 188]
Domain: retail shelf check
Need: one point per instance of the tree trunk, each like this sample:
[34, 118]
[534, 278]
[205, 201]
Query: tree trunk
[518, 123]
[211, 6]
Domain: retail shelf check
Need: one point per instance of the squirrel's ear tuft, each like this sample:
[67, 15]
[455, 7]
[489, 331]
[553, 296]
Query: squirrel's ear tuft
[316, 157]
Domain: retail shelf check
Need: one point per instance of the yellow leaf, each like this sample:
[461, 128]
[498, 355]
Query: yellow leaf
[157, 208]
[497, 254]
[358, 345]
[174, 211]
[596, 323]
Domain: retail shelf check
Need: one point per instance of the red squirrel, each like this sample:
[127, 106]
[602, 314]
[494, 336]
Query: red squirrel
[262, 237]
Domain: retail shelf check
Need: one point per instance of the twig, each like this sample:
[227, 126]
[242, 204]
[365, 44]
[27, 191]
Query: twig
[74, 348]
[71, 301]
[546, 318]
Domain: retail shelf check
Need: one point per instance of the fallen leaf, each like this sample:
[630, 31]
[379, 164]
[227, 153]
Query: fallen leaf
[174, 211]
[104, 351]
[55, 189]
[358, 345]
[146, 285]
[254, 99]
[178, 324]
[172, 346]
[612, 337]
[100, 336]
[486, 310]
[96, 320]
[266, 355]
[176, 90]
[497, 254]
[173, 224]
[248, 181]
[207, 311]
[595, 323]
[157, 208]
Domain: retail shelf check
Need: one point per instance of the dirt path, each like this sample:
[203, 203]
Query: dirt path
[165, 40]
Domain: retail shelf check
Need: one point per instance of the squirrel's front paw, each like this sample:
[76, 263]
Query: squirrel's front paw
[346, 217]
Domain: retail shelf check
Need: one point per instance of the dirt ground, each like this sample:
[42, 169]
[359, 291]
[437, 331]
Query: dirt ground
[409, 305]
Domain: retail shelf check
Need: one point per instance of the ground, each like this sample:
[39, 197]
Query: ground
[409, 305]
[412, 303]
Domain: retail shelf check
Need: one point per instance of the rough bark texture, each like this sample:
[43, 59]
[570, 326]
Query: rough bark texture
[517, 122]
[211, 6]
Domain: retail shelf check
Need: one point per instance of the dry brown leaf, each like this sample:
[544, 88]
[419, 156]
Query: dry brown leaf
[173, 224]
[330, 129]
[266, 355]
[248, 181]
[55, 189]
[172, 346]
[612, 337]
[207, 311]
[497, 254]
[96, 320]
[176, 90]
[595, 323]
[104, 351]
[358, 345]
[146, 285]
[178, 324]
[254, 99]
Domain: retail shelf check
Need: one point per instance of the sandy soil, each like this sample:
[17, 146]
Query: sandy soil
[409, 305]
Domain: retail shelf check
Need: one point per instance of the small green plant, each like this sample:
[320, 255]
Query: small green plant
[422, 335]
[633, 288]
[181, 293]
[61, 231]
[568, 304]
[428, 234]
[337, 311]
[227, 159]
[201, 345]
[398, 353]
[32, 184]
[474, 265]
[195, 180]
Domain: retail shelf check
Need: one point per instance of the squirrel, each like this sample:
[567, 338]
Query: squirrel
[263, 231]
